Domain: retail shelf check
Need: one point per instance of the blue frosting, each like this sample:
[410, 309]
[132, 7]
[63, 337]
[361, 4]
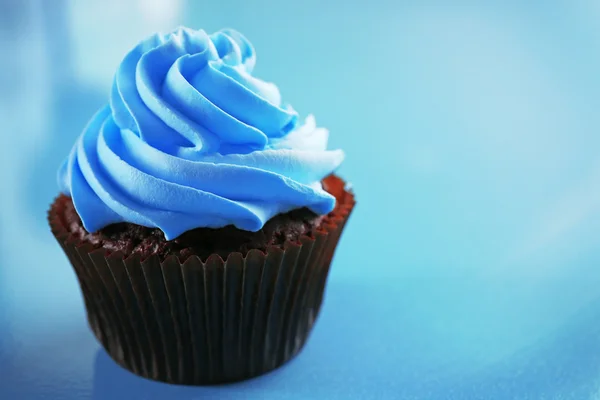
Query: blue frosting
[191, 139]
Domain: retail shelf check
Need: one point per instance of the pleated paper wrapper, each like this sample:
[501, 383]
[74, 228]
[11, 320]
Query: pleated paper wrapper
[204, 322]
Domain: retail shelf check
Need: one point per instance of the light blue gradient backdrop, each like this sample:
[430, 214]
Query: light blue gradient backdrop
[471, 266]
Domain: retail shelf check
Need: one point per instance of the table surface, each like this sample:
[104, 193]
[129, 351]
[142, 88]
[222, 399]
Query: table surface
[469, 269]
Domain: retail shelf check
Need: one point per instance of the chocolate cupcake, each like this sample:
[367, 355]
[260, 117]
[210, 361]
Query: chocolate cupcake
[199, 214]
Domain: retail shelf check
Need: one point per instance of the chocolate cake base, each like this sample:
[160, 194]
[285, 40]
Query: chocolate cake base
[170, 311]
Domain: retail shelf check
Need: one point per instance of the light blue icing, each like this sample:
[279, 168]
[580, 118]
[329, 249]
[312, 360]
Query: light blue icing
[191, 139]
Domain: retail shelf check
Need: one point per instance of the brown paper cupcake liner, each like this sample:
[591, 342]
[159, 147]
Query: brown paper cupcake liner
[204, 321]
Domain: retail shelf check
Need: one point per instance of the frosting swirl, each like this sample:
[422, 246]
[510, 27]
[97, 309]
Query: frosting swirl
[191, 139]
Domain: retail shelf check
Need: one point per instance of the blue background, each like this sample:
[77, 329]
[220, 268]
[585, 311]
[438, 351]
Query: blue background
[470, 267]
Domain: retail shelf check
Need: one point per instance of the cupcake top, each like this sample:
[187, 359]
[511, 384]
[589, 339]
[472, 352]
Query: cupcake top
[190, 138]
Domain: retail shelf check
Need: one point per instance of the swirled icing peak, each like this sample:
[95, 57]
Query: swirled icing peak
[192, 139]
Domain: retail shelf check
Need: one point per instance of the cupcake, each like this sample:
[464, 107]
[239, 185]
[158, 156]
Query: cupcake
[200, 214]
